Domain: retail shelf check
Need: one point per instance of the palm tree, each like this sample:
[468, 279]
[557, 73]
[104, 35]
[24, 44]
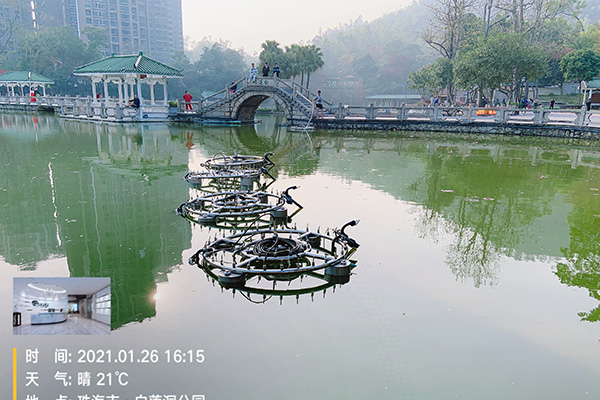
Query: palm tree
[293, 59]
[271, 53]
[314, 61]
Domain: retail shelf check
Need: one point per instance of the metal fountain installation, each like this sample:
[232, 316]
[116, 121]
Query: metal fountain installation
[262, 250]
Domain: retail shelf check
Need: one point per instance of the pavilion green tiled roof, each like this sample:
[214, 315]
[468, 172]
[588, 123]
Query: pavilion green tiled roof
[592, 84]
[134, 64]
[24, 76]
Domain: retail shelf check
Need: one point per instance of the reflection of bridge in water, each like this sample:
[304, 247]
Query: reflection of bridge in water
[537, 155]
[576, 157]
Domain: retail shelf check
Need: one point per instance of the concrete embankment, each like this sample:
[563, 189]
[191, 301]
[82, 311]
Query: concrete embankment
[558, 131]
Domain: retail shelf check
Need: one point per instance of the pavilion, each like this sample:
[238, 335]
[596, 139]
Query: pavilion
[20, 80]
[590, 90]
[129, 73]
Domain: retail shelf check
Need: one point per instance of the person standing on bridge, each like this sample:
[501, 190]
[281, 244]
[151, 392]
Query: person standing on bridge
[266, 69]
[253, 74]
[276, 70]
[318, 100]
[187, 98]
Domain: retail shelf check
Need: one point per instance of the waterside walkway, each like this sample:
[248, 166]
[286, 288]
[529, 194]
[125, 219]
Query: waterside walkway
[228, 109]
[87, 108]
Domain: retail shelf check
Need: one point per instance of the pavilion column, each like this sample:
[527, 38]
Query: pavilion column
[127, 89]
[120, 87]
[93, 90]
[152, 92]
[44, 90]
[165, 91]
[139, 90]
[105, 82]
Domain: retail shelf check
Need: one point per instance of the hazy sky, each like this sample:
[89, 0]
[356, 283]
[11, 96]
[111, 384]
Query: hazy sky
[247, 24]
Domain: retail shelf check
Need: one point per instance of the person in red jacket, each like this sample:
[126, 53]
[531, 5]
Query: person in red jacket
[187, 98]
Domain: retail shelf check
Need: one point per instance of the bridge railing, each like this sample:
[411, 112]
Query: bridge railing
[38, 100]
[291, 86]
[296, 91]
[577, 117]
[89, 108]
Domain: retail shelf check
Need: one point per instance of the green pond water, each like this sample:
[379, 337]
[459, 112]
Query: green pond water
[478, 274]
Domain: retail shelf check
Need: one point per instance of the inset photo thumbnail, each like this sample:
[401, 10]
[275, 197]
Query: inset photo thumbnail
[61, 306]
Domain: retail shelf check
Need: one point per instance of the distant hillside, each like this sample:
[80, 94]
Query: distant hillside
[381, 53]
[591, 13]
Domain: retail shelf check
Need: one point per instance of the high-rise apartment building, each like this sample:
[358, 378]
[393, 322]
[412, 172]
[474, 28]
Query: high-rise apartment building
[151, 26]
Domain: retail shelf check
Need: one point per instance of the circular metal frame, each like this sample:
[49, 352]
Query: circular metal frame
[230, 205]
[238, 162]
[270, 252]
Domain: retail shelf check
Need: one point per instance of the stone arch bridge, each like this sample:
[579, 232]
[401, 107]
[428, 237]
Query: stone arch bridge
[240, 100]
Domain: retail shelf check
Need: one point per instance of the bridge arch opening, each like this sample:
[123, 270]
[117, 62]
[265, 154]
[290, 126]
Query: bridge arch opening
[247, 109]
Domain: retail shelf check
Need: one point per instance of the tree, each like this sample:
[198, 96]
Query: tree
[528, 18]
[303, 61]
[218, 67]
[589, 39]
[293, 58]
[493, 62]
[55, 53]
[433, 78]
[97, 39]
[12, 25]
[190, 80]
[313, 60]
[425, 81]
[271, 53]
[580, 65]
[447, 26]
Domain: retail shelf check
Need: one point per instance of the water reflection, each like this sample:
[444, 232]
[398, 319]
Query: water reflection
[293, 154]
[259, 290]
[104, 195]
[494, 197]
[582, 266]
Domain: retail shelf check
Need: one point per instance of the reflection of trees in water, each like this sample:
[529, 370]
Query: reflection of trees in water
[582, 268]
[471, 253]
[490, 206]
[584, 275]
[493, 196]
[95, 194]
